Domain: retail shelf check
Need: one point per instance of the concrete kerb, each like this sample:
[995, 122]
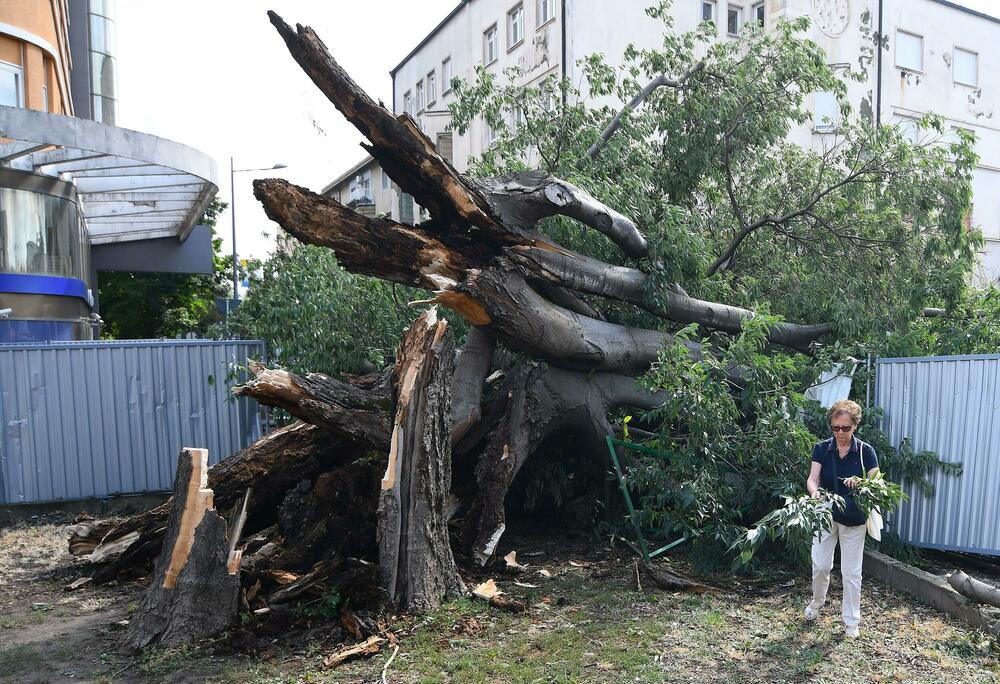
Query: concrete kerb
[927, 588]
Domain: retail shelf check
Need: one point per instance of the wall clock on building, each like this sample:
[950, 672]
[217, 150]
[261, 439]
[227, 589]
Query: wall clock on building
[832, 16]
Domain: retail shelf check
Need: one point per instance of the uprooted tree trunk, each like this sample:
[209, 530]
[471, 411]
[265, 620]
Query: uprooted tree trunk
[416, 565]
[196, 584]
[974, 589]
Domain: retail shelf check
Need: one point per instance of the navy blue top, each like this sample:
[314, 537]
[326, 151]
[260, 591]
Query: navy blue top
[835, 470]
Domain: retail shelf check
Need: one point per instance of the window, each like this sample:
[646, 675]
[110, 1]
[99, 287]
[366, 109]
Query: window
[520, 120]
[826, 116]
[408, 103]
[491, 134]
[546, 11]
[386, 181]
[446, 75]
[11, 85]
[907, 127]
[708, 10]
[490, 45]
[431, 88]
[420, 96]
[734, 20]
[515, 26]
[909, 51]
[758, 14]
[965, 64]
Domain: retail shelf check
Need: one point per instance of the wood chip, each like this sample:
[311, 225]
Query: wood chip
[366, 649]
[526, 585]
[487, 590]
[512, 564]
[545, 573]
[76, 584]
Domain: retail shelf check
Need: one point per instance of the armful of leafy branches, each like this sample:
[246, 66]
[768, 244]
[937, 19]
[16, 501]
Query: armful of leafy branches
[875, 492]
[798, 521]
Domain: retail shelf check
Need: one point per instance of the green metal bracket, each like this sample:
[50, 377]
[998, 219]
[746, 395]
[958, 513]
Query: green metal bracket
[643, 549]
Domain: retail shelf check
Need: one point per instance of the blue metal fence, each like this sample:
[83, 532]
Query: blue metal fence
[949, 405]
[95, 419]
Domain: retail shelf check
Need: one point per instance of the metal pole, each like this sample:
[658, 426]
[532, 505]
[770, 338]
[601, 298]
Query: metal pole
[232, 212]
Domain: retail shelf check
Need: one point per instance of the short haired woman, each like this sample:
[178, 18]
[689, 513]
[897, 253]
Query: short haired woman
[837, 465]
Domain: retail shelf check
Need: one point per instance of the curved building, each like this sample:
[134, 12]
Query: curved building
[78, 194]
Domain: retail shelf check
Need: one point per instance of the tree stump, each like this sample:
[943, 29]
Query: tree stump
[416, 565]
[195, 586]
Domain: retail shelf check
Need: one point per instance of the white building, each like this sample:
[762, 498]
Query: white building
[935, 57]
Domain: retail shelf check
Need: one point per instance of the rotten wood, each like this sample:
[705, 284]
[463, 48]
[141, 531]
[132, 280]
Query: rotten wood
[416, 565]
[193, 594]
[366, 649]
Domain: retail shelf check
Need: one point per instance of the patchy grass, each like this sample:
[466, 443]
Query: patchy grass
[587, 623]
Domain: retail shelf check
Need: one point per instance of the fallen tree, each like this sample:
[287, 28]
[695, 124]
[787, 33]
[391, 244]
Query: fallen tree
[449, 444]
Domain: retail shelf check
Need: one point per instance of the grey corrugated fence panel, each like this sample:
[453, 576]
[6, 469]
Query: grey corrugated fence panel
[949, 405]
[95, 419]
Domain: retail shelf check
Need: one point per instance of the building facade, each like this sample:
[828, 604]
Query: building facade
[78, 194]
[365, 187]
[948, 71]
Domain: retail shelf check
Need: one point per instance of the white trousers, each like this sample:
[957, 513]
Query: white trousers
[852, 553]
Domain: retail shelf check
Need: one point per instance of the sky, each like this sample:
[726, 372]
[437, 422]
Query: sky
[215, 75]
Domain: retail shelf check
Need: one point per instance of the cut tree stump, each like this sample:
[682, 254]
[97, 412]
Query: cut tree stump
[416, 565]
[194, 593]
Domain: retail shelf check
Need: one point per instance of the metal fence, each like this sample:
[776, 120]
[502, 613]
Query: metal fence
[95, 419]
[947, 404]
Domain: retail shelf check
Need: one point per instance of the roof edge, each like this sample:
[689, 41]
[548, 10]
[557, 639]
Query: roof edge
[968, 10]
[434, 32]
[346, 174]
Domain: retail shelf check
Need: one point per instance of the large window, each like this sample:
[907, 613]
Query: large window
[966, 67]
[708, 9]
[515, 26]
[11, 85]
[103, 42]
[826, 117]
[734, 20]
[446, 75]
[546, 11]
[42, 235]
[909, 51]
[490, 45]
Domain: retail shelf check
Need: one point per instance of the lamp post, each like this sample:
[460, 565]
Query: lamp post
[232, 210]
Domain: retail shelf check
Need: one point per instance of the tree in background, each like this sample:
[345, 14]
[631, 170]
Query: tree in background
[150, 305]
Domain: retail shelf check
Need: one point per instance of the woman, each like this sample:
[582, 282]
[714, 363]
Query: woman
[837, 464]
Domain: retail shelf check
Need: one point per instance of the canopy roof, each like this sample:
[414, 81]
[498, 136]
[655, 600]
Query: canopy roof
[131, 185]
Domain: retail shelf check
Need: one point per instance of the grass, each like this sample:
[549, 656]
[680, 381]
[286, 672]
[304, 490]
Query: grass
[18, 662]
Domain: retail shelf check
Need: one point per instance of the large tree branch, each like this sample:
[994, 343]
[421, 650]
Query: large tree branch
[660, 81]
[585, 274]
[523, 199]
[471, 368]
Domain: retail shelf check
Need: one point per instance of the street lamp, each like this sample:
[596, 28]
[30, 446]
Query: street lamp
[232, 211]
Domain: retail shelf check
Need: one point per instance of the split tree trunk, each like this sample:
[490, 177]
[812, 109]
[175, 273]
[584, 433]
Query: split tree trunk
[196, 584]
[974, 589]
[416, 565]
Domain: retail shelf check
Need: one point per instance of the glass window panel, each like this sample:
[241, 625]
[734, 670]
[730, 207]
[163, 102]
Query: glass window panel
[41, 234]
[515, 26]
[909, 51]
[734, 19]
[10, 85]
[431, 87]
[102, 74]
[490, 45]
[758, 13]
[104, 109]
[446, 75]
[966, 67]
[708, 11]
[827, 113]
[420, 96]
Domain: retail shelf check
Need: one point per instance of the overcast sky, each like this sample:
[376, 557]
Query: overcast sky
[215, 75]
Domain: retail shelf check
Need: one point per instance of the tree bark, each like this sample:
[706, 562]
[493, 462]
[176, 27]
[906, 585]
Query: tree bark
[416, 565]
[194, 593]
[974, 589]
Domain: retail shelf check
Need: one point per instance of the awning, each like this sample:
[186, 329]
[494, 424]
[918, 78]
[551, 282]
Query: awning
[132, 186]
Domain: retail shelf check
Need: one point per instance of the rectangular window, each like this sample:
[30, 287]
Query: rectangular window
[446, 75]
[734, 20]
[758, 14]
[827, 112]
[546, 11]
[386, 181]
[909, 51]
[515, 26]
[11, 85]
[708, 10]
[408, 103]
[966, 67]
[520, 120]
[491, 134]
[490, 45]
[420, 96]
[431, 88]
